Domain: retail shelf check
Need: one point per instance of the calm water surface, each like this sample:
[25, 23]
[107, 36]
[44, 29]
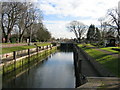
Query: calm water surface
[55, 72]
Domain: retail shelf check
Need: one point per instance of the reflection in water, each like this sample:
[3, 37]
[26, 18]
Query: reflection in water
[57, 71]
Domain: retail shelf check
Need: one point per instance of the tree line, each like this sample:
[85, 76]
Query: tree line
[109, 26]
[21, 21]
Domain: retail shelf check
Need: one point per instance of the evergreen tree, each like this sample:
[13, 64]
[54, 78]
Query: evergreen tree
[97, 34]
[91, 33]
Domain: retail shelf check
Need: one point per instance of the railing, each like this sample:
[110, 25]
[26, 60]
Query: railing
[17, 58]
[9, 56]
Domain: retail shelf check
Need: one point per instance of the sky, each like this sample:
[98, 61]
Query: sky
[58, 13]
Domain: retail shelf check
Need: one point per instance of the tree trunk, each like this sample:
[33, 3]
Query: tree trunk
[7, 37]
[21, 38]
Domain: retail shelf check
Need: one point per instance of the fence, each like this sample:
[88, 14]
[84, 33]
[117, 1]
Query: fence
[20, 58]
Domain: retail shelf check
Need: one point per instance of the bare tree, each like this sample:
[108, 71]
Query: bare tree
[9, 16]
[77, 28]
[114, 15]
[28, 18]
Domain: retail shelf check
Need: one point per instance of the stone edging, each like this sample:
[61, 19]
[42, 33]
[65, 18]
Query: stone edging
[97, 66]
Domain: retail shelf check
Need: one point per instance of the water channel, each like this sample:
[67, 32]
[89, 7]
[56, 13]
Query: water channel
[57, 71]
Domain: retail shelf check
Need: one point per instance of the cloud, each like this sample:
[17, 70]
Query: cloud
[92, 8]
[86, 11]
[58, 29]
[18, 0]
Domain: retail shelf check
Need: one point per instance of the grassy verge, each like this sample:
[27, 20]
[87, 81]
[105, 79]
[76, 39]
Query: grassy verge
[43, 44]
[23, 62]
[110, 49]
[108, 61]
[18, 48]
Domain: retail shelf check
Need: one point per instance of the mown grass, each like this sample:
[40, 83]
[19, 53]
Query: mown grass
[43, 44]
[110, 49]
[90, 45]
[109, 61]
[18, 48]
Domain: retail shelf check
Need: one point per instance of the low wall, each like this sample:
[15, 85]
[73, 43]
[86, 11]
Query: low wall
[104, 72]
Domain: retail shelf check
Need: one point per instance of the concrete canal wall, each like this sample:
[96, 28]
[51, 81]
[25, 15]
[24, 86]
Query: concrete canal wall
[103, 72]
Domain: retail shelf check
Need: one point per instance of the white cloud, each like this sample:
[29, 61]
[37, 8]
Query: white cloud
[93, 8]
[58, 29]
[18, 0]
[75, 8]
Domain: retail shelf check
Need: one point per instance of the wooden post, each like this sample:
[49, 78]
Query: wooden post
[14, 58]
[4, 69]
[22, 62]
[40, 48]
[28, 55]
[14, 54]
[50, 46]
[47, 46]
[37, 50]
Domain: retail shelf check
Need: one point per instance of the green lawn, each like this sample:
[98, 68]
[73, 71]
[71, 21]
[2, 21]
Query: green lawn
[89, 45]
[108, 61]
[43, 44]
[110, 49]
[18, 48]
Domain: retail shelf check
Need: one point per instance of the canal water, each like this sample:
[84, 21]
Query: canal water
[57, 71]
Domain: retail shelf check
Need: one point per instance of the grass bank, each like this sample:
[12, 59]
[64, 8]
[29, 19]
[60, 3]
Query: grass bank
[14, 66]
[18, 48]
[109, 61]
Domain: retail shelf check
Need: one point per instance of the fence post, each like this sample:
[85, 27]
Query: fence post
[47, 46]
[14, 54]
[28, 55]
[4, 69]
[37, 50]
[14, 58]
[40, 48]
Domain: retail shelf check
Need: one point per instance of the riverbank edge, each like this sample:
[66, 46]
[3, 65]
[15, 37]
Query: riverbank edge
[104, 72]
[20, 60]
[37, 59]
